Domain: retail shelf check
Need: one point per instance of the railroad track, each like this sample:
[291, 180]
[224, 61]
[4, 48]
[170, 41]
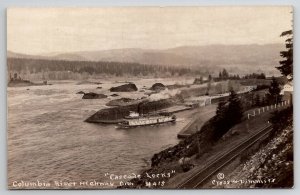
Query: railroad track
[198, 179]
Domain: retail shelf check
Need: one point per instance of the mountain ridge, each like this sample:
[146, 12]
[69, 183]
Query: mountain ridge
[209, 55]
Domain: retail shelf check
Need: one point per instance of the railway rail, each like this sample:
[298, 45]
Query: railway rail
[199, 178]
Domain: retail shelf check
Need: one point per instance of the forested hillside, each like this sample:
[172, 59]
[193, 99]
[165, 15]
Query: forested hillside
[63, 69]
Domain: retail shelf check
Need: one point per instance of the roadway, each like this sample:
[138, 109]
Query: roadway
[200, 117]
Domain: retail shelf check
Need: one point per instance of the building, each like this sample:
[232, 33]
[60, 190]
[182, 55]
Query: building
[287, 91]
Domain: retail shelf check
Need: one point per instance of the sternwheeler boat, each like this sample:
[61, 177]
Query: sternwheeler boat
[135, 120]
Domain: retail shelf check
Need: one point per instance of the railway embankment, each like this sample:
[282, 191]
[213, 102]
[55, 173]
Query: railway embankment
[267, 166]
[196, 150]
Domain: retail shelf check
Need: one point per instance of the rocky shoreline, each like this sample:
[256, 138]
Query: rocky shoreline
[24, 83]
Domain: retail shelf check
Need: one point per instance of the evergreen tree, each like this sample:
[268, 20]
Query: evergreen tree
[274, 92]
[220, 124]
[263, 101]
[262, 76]
[234, 111]
[201, 79]
[228, 114]
[225, 74]
[221, 109]
[286, 67]
[257, 101]
[208, 88]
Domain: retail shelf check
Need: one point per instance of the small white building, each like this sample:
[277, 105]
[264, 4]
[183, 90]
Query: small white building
[288, 87]
[287, 92]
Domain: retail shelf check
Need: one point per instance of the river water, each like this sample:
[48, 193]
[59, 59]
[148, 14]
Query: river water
[48, 140]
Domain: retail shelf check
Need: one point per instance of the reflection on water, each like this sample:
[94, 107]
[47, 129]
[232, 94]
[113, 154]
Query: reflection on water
[48, 140]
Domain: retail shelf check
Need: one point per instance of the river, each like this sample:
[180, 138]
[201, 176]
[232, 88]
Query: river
[49, 141]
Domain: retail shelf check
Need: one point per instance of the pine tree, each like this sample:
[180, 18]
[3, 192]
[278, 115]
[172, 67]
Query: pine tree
[234, 111]
[221, 125]
[262, 76]
[274, 92]
[208, 88]
[286, 67]
[225, 74]
[228, 114]
[201, 79]
[208, 85]
[257, 100]
[263, 101]
[221, 109]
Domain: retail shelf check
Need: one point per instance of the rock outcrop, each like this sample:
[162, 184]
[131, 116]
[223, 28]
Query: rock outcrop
[124, 88]
[80, 92]
[93, 96]
[158, 87]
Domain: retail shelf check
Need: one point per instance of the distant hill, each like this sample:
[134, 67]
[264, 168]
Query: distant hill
[64, 56]
[11, 54]
[204, 56]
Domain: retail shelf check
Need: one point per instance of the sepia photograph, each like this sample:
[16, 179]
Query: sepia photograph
[170, 97]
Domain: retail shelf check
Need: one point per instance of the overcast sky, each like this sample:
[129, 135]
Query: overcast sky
[47, 30]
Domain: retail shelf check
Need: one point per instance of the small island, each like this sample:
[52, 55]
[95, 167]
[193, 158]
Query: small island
[17, 81]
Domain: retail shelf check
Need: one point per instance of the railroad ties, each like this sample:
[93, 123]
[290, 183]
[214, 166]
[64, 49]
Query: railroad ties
[202, 175]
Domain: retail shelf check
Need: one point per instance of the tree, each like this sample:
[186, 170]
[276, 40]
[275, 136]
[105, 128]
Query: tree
[228, 114]
[220, 125]
[201, 79]
[235, 110]
[263, 101]
[208, 88]
[262, 76]
[15, 76]
[221, 109]
[286, 67]
[225, 74]
[219, 88]
[257, 101]
[274, 92]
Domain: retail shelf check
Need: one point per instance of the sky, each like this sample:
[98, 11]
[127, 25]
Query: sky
[56, 30]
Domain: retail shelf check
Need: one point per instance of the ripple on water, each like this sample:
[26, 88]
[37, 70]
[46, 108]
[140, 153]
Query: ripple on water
[48, 140]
